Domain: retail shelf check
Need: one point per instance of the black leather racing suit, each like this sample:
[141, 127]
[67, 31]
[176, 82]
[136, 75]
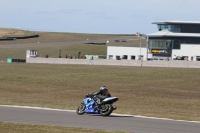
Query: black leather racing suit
[102, 94]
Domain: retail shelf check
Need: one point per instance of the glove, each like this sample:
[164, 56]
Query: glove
[89, 95]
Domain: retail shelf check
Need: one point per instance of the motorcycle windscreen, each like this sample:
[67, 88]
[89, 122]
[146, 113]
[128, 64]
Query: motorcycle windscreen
[86, 100]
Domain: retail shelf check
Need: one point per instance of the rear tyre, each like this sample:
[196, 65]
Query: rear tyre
[106, 110]
[81, 109]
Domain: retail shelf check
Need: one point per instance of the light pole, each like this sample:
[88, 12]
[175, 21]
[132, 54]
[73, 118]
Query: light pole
[147, 43]
[140, 48]
[60, 54]
[141, 59]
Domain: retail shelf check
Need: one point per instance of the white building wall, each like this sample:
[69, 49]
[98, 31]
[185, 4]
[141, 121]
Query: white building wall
[31, 53]
[190, 50]
[114, 51]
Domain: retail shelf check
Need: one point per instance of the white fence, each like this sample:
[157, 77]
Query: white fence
[153, 63]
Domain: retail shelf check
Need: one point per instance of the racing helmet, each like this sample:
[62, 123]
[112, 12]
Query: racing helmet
[103, 88]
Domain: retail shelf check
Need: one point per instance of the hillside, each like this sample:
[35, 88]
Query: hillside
[46, 37]
[9, 32]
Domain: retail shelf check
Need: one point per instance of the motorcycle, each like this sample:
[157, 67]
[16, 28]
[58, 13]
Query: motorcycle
[93, 105]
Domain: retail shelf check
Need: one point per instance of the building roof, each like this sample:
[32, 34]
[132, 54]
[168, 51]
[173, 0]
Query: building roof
[173, 34]
[177, 22]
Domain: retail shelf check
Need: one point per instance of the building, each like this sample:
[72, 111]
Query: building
[31, 53]
[128, 53]
[174, 40]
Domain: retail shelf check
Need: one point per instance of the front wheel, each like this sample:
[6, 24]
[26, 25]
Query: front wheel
[81, 109]
[106, 110]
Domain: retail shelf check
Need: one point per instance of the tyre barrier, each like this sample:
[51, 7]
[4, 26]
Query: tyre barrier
[7, 39]
[15, 38]
[25, 37]
[19, 60]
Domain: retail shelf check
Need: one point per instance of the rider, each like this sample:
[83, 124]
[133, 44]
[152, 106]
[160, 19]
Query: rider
[102, 93]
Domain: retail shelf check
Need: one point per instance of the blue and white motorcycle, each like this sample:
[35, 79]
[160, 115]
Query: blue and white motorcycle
[93, 105]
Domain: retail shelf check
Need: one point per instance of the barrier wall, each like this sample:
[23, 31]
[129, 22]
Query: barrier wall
[153, 63]
[14, 38]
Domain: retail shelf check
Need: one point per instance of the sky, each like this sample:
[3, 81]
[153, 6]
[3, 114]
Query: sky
[95, 16]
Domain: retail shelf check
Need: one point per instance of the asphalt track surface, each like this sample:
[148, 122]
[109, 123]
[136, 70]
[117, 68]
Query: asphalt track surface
[48, 44]
[58, 43]
[52, 44]
[116, 122]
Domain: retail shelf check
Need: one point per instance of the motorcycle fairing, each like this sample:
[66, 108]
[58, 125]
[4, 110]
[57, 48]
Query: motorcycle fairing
[89, 103]
[109, 99]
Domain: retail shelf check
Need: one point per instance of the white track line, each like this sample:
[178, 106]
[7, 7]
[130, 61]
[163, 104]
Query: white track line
[137, 116]
[29, 107]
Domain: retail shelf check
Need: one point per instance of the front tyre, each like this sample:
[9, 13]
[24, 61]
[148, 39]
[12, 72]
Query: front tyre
[106, 110]
[81, 109]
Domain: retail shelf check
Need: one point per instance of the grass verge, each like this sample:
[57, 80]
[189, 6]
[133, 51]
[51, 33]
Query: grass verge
[25, 128]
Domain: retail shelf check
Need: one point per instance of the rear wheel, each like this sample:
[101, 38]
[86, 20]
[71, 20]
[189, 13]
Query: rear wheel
[106, 110]
[81, 109]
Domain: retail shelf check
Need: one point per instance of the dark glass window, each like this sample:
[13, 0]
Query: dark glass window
[160, 44]
[177, 28]
[176, 44]
[161, 27]
[173, 28]
[171, 43]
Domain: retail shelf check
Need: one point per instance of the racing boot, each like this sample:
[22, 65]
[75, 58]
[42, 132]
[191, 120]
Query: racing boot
[114, 108]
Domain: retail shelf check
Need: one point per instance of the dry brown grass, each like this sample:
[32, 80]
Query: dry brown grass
[53, 51]
[159, 92]
[22, 128]
[9, 32]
